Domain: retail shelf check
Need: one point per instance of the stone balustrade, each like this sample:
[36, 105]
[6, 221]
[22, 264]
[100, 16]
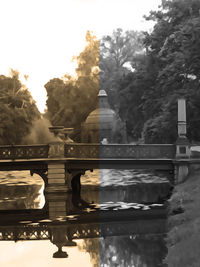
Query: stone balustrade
[122, 151]
[23, 152]
[76, 150]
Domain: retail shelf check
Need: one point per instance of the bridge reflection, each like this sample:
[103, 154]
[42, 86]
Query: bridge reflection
[63, 231]
[115, 240]
[67, 218]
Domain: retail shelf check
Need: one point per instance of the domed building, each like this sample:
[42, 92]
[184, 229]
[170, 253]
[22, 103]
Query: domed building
[101, 123]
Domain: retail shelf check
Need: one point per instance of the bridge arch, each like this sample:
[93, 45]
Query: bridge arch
[42, 174]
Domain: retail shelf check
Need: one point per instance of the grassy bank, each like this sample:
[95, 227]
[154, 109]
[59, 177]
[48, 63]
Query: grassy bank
[184, 224]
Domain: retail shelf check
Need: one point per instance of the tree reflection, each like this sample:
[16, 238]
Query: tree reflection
[138, 251]
[19, 197]
[92, 246]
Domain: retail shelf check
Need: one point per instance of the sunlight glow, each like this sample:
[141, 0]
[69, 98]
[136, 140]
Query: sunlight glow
[39, 38]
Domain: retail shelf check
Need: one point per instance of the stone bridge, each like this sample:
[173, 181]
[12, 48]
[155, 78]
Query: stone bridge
[58, 163]
[61, 164]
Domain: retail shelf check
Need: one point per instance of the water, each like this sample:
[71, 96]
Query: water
[119, 220]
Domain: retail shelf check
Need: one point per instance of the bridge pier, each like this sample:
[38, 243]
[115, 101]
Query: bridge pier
[181, 171]
[59, 205]
[182, 160]
[61, 180]
[56, 178]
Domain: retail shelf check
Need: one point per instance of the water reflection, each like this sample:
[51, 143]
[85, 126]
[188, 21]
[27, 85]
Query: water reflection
[128, 186]
[105, 242]
[133, 250]
[18, 190]
[106, 223]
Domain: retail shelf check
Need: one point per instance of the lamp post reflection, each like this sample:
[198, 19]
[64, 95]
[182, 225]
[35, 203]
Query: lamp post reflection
[59, 238]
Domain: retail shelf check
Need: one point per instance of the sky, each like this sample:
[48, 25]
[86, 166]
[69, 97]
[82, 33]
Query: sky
[30, 254]
[40, 37]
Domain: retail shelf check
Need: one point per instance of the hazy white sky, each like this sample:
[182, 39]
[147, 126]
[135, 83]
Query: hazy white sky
[39, 254]
[39, 37]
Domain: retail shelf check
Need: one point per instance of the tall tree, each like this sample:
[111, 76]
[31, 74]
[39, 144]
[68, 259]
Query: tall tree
[71, 99]
[17, 109]
[174, 41]
[117, 51]
[168, 70]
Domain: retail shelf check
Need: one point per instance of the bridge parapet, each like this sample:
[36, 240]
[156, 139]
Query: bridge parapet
[24, 151]
[57, 164]
[81, 150]
[122, 151]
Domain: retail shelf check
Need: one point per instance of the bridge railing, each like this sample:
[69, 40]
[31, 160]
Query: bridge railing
[23, 152]
[91, 151]
[123, 151]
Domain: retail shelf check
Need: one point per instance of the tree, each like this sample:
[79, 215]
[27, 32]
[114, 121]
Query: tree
[135, 90]
[117, 51]
[71, 99]
[169, 69]
[17, 109]
[175, 41]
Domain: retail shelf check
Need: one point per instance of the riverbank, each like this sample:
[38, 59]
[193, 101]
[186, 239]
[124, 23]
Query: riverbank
[184, 224]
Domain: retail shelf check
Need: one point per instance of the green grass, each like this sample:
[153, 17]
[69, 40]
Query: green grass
[184, 229]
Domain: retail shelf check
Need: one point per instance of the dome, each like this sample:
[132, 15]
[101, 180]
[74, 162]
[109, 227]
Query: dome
[102, 93]
[101, 118]
[100, 122]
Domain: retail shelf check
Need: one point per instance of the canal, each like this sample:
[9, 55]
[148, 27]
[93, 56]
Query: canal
[118, 220]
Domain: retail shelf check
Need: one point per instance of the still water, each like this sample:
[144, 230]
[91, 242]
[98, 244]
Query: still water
[119, 220]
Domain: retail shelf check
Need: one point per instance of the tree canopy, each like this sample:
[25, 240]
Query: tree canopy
[17, 109]
[168, 70]
[144, 74]
[71, 99]
[117, 52]
[177, 53]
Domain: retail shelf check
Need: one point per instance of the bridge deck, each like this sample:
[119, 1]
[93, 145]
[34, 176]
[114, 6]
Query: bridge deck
[116, 163]
[88, 163]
